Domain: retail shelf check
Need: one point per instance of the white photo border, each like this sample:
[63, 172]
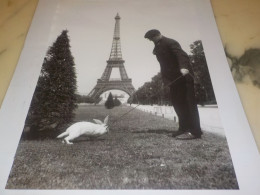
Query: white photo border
[15, 106]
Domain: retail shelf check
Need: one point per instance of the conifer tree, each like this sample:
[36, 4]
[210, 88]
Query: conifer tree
[203, 86]
[109, 104]
[54, 99]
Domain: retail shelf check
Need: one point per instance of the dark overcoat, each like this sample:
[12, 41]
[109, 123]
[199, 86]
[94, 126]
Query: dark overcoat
[172, 58]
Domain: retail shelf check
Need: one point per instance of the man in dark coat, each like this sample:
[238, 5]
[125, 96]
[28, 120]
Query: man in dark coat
[177, 74]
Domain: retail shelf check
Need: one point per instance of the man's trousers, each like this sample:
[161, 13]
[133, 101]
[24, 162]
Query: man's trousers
[185, 106]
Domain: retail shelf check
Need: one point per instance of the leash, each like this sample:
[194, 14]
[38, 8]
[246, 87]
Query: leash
[172, 82]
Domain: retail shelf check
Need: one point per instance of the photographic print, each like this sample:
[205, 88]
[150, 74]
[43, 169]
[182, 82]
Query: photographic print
[123, 98]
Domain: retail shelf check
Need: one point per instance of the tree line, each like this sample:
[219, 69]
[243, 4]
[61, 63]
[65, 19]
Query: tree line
[154, 92]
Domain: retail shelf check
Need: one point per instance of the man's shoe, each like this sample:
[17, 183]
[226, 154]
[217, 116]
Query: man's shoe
[177, 133]
[187, 136]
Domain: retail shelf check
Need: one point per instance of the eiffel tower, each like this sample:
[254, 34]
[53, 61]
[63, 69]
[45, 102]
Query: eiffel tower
[106, 83]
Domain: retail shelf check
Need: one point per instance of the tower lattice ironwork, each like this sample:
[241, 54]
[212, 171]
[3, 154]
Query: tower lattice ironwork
[106, 83]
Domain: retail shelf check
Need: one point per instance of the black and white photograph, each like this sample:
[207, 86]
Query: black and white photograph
[122, 97]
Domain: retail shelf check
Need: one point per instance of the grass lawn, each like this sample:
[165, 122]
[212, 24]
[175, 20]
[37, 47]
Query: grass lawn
[138, 153]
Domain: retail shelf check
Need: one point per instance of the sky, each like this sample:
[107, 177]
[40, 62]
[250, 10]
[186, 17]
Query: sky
[91, 26]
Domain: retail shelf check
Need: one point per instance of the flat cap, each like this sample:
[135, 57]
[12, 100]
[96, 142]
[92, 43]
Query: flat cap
[151, 33]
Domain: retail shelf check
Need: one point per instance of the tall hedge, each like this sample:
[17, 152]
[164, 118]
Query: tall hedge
[109, 104]
[54, 99]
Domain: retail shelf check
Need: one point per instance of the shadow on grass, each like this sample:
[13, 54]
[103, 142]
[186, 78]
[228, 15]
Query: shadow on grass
[157, 131]
[88, 139]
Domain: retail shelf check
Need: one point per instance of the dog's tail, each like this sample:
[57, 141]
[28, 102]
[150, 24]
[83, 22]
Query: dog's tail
[63, 134]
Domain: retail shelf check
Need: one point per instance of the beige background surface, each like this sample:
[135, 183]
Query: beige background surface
[237, 20]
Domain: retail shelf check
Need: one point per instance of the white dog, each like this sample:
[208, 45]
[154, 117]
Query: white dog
[85, 128]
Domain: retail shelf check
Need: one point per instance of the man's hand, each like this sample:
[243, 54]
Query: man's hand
[184, 71]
